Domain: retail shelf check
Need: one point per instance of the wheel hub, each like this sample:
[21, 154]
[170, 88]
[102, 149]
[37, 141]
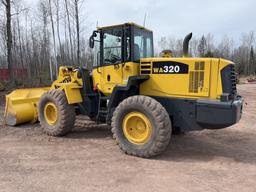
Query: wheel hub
[137, 128]
[51, 113]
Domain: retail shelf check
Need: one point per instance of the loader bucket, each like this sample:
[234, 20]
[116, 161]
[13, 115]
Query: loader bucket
[21, 106]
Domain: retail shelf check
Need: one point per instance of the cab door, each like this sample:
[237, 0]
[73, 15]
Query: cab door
[112, 61]
[112, 76]
[114, 65]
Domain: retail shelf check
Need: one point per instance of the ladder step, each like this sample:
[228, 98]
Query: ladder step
[103, 112]
[104, 98]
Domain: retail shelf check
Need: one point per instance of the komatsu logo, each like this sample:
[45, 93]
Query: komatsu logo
[170, 67]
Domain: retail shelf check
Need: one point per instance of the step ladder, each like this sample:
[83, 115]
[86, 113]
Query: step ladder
[102, 109]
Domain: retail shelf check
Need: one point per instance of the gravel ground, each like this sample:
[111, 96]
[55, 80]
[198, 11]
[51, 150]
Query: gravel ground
[88, 159]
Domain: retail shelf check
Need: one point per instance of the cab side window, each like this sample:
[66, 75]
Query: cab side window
[127, 45]
[143, 44]
[96, 55]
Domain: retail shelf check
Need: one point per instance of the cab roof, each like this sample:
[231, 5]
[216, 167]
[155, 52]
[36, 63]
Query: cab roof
[125, 24]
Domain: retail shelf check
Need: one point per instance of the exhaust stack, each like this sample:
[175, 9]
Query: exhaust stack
[186, 44]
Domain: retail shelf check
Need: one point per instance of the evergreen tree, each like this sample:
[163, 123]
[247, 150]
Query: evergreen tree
[202, 47]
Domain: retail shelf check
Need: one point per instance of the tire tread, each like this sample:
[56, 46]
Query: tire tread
[162, 120]
[67, 114]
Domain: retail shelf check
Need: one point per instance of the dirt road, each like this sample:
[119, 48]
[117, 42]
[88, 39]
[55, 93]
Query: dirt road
[88, 160]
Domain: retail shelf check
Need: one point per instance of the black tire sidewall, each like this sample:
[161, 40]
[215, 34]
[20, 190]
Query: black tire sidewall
[44, 101]
[66, 113]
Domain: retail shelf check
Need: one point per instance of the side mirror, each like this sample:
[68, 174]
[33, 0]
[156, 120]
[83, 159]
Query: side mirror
[92, 40]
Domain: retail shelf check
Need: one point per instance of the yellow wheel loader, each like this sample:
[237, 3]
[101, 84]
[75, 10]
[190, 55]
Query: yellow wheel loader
[142, 97]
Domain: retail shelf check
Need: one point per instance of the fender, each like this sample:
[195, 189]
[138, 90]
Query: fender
[122, 92]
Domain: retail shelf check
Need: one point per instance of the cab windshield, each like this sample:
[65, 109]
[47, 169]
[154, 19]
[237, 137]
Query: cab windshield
[112, 46]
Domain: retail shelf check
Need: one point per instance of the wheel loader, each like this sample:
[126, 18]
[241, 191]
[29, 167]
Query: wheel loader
[144, 98]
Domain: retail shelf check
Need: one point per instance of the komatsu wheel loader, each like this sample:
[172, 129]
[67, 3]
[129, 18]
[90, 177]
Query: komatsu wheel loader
[144, 98]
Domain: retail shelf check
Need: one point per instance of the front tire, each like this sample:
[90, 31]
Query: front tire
[56, 116]
[141, 126]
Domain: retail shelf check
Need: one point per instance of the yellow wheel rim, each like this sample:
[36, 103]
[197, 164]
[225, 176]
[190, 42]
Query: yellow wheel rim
[51, 113]
[137, 128]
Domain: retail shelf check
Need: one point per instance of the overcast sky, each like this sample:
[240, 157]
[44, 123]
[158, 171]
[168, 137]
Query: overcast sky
[177, 17]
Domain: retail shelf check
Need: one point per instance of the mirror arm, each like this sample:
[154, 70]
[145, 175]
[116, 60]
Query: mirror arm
[98, 59]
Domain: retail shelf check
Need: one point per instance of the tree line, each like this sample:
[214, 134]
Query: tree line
[241, 52]
[43, 38]
[53, 33]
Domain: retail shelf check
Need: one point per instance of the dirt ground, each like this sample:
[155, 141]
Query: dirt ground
[88, 160]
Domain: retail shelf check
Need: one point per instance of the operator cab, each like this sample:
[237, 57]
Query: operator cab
[121, 44]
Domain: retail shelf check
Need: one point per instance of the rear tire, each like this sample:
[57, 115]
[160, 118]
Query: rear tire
[153, 117]
[56, 116]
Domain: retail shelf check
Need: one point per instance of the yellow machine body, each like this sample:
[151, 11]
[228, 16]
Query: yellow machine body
[191, 89]
[202, 82]
[203, 79]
